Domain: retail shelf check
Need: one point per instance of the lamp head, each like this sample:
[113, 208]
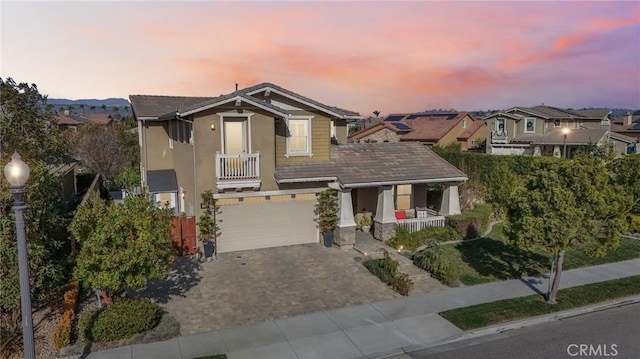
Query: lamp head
[16, 171]
[565, 131]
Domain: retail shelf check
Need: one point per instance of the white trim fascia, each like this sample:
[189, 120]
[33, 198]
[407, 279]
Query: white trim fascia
[233, 99]
[268, 193]
[221, 185]
[320, 108]
[393, 183]
[527, 112]
[353, 117]
[147, 118]
[310, 179]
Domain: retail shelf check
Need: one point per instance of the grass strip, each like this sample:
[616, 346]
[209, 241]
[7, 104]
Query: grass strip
[483, 315]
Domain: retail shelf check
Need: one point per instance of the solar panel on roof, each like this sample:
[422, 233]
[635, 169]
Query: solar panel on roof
[451, 116]
[635, 127]
[401, 126]
[413, 117]
[394, 118]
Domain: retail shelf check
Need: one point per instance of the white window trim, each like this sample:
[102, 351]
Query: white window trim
[498, 125]
[525, 125]
[464, 123]
[246, 115]
[333, 129]
[308, 152]
[170, 134]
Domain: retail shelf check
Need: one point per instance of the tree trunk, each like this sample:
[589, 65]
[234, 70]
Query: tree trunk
[556, 278]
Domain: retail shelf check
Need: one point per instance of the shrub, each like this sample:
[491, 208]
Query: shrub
[634, 223]
[62, 332]
[412, 241]
[472, 223]
[386, 269]
[441, 261]
[122, 319]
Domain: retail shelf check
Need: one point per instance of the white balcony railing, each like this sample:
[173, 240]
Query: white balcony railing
[244, 166]
[416, 224]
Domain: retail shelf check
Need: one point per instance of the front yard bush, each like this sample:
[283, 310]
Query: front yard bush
[62, 332]
[472, 223]
[386, 269]
[122, 319]
[413, 241]
[441, 261]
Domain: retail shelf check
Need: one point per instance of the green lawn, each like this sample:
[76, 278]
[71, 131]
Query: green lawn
[494, 258]
[483, 315]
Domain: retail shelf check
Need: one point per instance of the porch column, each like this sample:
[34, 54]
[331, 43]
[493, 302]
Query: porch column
[345, 234]
[384, 226]
[450, 201]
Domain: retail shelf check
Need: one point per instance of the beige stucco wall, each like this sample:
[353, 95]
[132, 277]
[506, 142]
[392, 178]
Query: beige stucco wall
[479, 136]
[158, 154]
[341, 130]
[452, 136]
[183, 164]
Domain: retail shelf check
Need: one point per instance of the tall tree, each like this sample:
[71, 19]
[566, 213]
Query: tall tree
[81, 107]
[564, 205]
[104, 108]
[106, 150]
[377, 113]
[93, 108]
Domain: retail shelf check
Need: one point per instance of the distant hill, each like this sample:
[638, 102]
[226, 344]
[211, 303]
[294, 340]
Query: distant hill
[109, 102]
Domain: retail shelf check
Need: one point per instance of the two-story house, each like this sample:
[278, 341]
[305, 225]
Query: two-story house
[546, 130]
[265, 152]
[429, 128]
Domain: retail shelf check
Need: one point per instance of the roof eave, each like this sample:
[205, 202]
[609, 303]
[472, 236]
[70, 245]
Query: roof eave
[400, 182]
[321, 108]
[232, 99]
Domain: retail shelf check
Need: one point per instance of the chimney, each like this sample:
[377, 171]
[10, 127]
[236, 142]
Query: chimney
[236, 87]
[629, 119]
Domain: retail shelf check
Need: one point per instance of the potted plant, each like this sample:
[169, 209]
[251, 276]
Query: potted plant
[365, 224]
[208, 224]
[326, 211]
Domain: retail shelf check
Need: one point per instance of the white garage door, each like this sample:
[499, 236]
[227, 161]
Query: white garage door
[280, 221]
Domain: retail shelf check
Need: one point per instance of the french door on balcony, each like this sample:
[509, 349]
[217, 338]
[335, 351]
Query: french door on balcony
[235, 139]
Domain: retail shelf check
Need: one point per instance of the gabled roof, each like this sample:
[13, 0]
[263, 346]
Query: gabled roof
[620, 124]
[550, 112]
[165, 107]
[152, 106]
[372, 164]
[471, 129]
[431, 127]
[67, 120]
[397, 127]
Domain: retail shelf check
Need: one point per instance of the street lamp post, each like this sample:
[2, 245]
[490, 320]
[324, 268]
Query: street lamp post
[17, 173]
[565, 132]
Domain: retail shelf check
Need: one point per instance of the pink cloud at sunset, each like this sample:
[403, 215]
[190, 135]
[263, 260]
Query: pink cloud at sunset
[390, 56]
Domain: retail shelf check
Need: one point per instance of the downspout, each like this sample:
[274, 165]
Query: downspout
[146, 159]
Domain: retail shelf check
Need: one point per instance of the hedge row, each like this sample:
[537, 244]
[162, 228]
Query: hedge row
[441, 261]
[62, 333]
[386, 269]
[412, 241]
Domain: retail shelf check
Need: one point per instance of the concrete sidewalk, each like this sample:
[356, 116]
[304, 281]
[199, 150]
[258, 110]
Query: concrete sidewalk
[371, 330]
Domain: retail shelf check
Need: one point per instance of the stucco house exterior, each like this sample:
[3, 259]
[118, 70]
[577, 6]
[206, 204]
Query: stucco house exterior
[429, 128]
[546, 130]
[265, 151]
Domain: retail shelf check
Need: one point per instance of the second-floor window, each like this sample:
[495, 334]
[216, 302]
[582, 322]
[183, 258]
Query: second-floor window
[529, 125]
[299, 140]
[500, 127]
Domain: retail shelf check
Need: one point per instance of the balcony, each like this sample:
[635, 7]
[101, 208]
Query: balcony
[237, 171]
[499, 137]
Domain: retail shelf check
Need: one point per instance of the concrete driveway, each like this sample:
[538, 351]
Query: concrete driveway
[259, 285]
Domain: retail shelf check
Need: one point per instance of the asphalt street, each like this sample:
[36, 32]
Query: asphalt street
[612, 333]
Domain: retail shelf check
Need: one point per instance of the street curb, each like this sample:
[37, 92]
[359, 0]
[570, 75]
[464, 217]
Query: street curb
[513, 325]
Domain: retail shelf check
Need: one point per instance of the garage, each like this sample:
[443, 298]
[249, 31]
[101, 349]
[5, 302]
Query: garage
[266, 221]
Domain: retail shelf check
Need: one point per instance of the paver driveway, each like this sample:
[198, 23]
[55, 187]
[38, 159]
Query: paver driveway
[258, 285]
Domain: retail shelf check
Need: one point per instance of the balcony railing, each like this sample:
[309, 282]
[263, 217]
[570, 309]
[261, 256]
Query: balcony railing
[499, 136]
[416, 224]
[240, 167]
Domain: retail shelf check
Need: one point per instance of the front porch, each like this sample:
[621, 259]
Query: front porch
[403, 205]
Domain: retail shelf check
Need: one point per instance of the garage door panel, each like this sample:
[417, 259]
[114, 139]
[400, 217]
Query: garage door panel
[269, 224]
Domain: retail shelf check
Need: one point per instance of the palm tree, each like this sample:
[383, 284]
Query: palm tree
[82, 108]
[70, 108]
[104, 108]
[93, 108]
[126, 109]
[115, 109]
[377, 113]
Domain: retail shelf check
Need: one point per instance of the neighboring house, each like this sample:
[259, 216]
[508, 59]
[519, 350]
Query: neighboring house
[66, 172]
[539, 130]
[430, 128]
[72, 121]
[628, 125]
[265, 152]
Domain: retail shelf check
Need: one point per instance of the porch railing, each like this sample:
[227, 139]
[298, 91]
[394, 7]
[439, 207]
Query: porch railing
[499, 136]
[416, 224]
[237, 167]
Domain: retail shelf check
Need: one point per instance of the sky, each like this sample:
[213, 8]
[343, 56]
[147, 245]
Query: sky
[363, 56]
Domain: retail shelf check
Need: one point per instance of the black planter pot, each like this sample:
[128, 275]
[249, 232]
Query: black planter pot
[328, 239]
[208, 249]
